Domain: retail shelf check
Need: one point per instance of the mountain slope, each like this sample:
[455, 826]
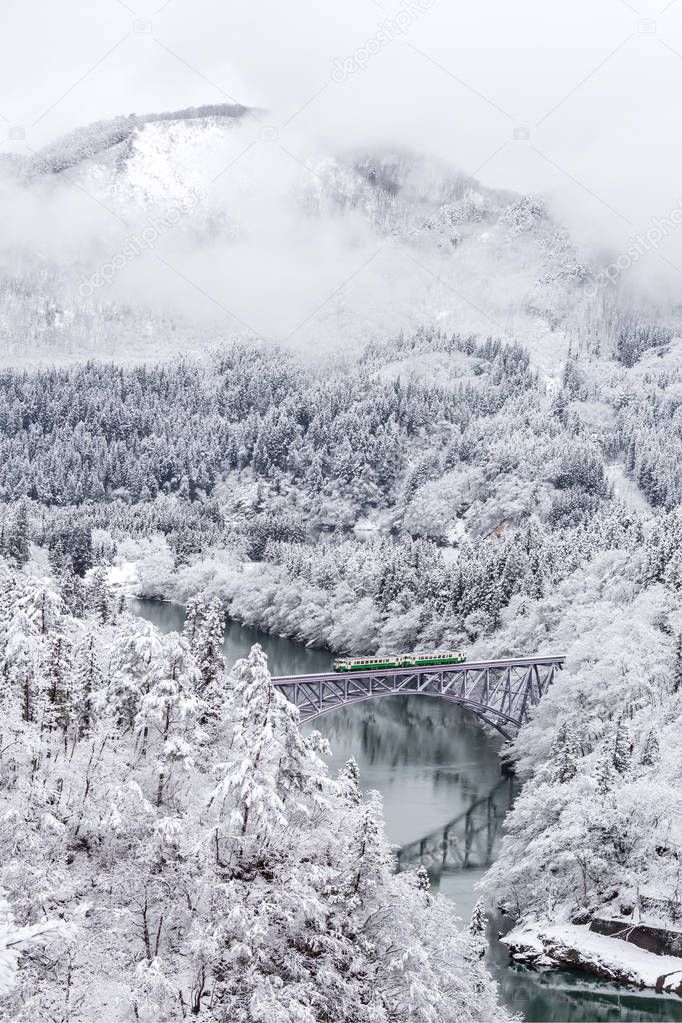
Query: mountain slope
[236, 231]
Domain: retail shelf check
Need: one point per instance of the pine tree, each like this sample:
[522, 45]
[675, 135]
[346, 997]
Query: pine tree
[565, 754]
[622, 748]
[369, 857]
[533, 583]
[16, 540]
[21, 662]
[208, 647]
[631, 457]
[604, 775]
[72, 592]
[349, 782]
[87, 683]
[56, 675]
[78, 544]
[477, 928]
[651, 753]
[677, 665]
[100, 598]
[165, 724]
[247, 797]
[194, 620]
[59, 558]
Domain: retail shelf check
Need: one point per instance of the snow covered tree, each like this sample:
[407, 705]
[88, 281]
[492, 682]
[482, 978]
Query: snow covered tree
[477, 928]
[677, 665]
[565, 754]
[135, 663]
[16, 540]
[87, 685]
[166, 723]
[21, 662]
[72, 592]
[423, 880]
[622, 748]
[651, 754]
[208, 646]
[349, 782]
[369, 859]
[268, 763]
[99, 597]
[194, 619]
[56, 673]
[14, 940]
[604, 775]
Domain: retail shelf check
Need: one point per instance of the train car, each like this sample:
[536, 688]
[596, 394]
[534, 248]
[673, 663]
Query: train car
[415, 660]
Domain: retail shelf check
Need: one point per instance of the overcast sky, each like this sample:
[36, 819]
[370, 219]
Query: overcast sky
[595, 82]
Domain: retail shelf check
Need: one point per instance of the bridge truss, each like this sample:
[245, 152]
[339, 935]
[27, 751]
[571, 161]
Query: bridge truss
[501, 693]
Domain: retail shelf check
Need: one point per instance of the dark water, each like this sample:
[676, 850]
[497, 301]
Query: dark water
[440, 777]
[284, 656]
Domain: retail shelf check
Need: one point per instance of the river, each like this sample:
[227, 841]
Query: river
[434, 766]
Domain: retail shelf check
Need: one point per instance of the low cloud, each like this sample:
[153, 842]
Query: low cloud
[577, 103]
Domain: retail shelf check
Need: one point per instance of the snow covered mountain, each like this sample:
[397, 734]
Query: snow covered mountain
[150, 234]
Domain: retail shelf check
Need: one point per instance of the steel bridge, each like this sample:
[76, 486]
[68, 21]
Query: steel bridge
[500, 693]
[468, 841]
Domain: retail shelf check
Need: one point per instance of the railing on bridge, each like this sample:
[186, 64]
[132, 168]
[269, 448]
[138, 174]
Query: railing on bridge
[501, 693]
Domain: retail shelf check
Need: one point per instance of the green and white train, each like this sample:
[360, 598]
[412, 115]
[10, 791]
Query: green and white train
[417, 660]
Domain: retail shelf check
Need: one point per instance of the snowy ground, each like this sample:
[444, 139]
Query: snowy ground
[124, 576]
[563, 944]
[626, 489]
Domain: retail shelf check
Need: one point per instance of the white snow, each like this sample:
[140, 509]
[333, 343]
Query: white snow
[365, 525]
[125, 575]
[626, 489]
[455, 534]
[612, 954]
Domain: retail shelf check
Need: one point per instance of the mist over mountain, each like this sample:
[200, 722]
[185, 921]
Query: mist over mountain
[148, 234]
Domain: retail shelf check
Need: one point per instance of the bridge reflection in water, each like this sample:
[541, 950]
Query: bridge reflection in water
[469, 841]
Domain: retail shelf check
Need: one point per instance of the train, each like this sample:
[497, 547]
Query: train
[417, 660]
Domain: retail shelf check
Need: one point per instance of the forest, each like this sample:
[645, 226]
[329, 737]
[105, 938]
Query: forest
[167, 829]
[166, 826]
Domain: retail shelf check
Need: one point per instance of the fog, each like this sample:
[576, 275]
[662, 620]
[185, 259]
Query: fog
[570, 100]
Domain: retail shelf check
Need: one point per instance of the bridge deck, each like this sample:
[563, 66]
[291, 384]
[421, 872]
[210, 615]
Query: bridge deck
[510, 662]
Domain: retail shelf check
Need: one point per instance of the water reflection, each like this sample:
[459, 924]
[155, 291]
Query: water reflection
[548, 996]
[469, 841]
[429, 760]
[285, 657]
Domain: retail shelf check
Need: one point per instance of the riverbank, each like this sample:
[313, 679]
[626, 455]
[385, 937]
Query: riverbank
[575, 946]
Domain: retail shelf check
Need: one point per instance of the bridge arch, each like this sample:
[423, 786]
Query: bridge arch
[501, 693]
